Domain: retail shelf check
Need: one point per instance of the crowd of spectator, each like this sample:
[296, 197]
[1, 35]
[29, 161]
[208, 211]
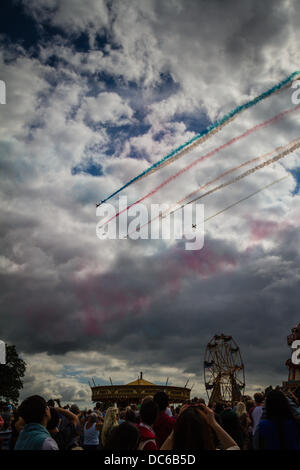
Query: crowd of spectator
[269, 421]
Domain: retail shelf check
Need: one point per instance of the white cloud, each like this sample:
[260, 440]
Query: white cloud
[106, 107]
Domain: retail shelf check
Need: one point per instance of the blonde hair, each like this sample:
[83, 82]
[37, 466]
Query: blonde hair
[241, 408]
[110, 421]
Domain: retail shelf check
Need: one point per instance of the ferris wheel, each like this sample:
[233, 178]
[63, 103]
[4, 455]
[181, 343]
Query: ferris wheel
[224, 374]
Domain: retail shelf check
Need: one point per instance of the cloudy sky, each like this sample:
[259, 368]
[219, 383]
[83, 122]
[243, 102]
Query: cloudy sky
[96, 92]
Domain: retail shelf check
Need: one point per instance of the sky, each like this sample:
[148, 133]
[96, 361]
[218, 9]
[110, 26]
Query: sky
[96, 92]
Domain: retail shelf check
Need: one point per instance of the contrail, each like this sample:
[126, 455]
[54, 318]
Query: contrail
[238, 202]
[213, 128]
[222, 175]
[208, 155]
[291, 147]
[245, 198]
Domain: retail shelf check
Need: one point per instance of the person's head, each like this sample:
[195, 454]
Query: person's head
[51, 403]
[123, 437]
[92, 417]
[75, 409]
[201, 400]
[147, 397]
[110, 421]
[149, 411]
[192, 431]
[130, 416]
[241, 408]
[34, 409]
[277, 407]
[98, 405]
[249, 405]
[259, 398]
[162, 400]
[53, 422]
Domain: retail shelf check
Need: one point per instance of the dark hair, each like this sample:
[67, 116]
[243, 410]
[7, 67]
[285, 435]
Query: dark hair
[32, 409]
[123, 437]
[51, 403]
[149, 412]
[278, 410]
[249, 405]
[130, 416]
[219, 408]
[54, 420]
[192, 431]
[231, 424]
[277, 407]
[258, 397]
[162, 400]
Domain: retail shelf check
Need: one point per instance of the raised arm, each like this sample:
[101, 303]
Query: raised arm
[225, 440]
[69, 415]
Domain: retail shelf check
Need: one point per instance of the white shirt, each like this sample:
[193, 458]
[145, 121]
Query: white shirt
[49, 444]
[256, 415]
[90, 435]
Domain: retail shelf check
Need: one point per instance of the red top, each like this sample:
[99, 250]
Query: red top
[147, 436]
[163, 427]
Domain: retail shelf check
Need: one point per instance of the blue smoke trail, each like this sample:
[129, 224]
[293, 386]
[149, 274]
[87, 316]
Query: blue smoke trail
[206, 131]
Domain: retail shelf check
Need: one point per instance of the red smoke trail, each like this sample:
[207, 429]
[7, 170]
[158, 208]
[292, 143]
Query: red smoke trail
[208, 155]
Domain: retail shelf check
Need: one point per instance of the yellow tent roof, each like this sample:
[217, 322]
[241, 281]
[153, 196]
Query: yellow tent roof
[140, 382]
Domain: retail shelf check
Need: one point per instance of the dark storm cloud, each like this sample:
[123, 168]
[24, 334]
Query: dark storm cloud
[184, 301]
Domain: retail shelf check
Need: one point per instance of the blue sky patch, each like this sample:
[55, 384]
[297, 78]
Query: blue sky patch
[88, 167]
[295, 172]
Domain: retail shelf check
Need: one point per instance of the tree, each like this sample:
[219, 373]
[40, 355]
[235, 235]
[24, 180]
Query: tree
[11, 375]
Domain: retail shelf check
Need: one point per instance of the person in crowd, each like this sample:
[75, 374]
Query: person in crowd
[245, 423]
[135, 410]
[217, 408]
[148, 414]
[110, 421]
[91, 432]
[257, 411]
[250, 405]
[6, 414]
[164, 424]
[293, 401]
[277, 430]
[69, 426]
[34, 435]
[122, 414]
[126, 436]
[65, 437]
[197, 429]
[14, 430]
[231, 424]
[130, 416]
[97, 408]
